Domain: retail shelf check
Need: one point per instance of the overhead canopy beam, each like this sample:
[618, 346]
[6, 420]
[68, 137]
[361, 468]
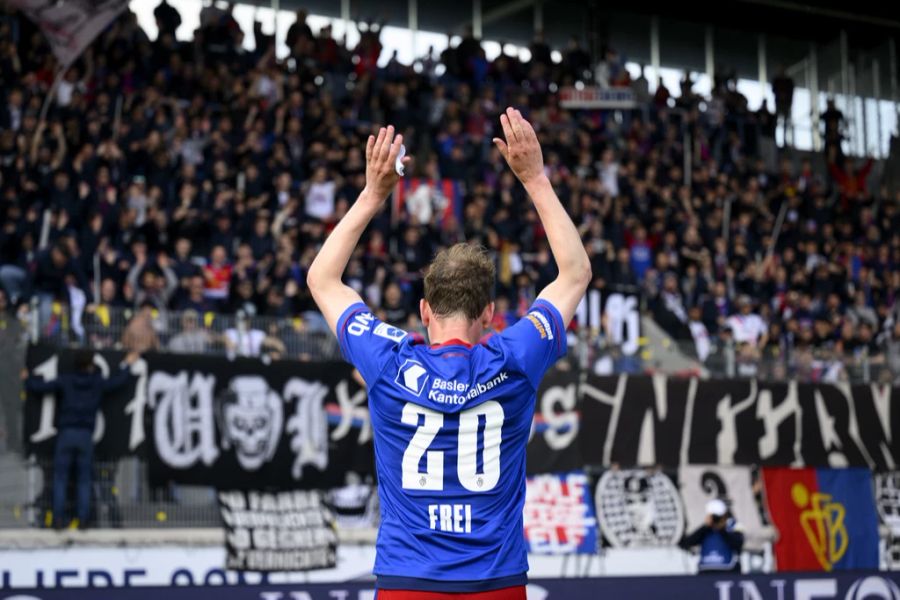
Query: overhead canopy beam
[477, 23]
[654, 53]
[841, 15]
[504, 10]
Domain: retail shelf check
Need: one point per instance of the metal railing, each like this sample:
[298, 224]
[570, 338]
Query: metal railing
[302, 337]
[120, 497]
[306, 337]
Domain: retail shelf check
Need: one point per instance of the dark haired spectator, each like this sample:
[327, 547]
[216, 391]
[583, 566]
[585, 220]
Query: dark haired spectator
[167, 18]
[79, 396]
[783, 90]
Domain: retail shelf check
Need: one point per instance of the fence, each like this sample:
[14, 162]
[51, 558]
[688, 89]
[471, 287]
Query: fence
[306, 337]
[301, 337]
[120, 497]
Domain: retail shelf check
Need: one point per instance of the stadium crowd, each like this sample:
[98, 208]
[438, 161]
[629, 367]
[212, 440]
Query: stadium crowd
[201, 177]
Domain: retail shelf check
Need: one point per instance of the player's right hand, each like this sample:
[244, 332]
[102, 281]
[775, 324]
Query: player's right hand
[381, 159]
[521, 149]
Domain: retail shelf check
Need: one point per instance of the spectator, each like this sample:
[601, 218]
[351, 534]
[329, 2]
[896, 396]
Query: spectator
[320, 195]
[217, 275]
[832, 123]
[140, 335]
[668, 307]
[661, 95]
[101, 321]
[191, 339]
[154, 284]
[641, 252]
[242, 339]
[79, 395]
[783, 89]
[299, 31]
[395, 307]
[183, 264]
[195, 297]
[167, 19]
[720, 540]
[540, 51]
[861, 312]
[699, 333]
[892, 351]
[851, 181]
[576, 60]
[53, 266]
[747, 326]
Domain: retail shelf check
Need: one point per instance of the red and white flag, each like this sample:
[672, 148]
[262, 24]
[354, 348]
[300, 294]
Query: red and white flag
[70, 25]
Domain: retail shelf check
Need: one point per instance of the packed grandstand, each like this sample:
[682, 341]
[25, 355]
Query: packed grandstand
[730, 371]
[199, 176]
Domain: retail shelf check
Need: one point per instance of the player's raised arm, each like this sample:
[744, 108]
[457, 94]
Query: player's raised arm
[324, 278]
[523, 154]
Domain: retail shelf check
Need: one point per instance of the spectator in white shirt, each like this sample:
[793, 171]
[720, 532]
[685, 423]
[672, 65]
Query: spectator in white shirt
[242, 340]
[747, 326]
[699, 333]
[609, 173]
[320, 195]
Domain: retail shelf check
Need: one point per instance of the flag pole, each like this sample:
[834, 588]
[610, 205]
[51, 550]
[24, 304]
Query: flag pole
[779, 222]
[52, 92]
[60, 72]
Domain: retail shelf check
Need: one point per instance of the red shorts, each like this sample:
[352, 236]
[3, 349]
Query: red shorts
[510, 593]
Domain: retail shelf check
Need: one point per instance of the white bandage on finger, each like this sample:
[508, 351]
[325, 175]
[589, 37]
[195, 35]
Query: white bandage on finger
[399, 164]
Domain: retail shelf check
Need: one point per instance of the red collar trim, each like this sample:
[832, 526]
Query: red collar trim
[452, 342]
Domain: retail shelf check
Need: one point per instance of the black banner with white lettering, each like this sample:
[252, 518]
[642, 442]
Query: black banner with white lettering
[233, 424]
[556, 425]
[283, 531]
[644, 420]
[245, 424]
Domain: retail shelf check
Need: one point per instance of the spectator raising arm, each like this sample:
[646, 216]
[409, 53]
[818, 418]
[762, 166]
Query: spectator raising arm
[522, 152]
[324, 278]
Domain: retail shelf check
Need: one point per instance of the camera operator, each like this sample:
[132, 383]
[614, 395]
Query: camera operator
[720, 540]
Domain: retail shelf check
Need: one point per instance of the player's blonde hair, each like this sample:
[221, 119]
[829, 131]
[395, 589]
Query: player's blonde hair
[460, 281]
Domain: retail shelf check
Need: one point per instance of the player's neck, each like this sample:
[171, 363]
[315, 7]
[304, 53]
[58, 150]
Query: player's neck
[441, 331]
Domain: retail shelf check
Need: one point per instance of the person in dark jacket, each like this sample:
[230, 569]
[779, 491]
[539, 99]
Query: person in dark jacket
[78, 397]
[720, 540]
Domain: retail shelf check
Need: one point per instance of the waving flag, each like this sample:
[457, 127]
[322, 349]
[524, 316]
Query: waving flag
[70, 25]
[826, 518]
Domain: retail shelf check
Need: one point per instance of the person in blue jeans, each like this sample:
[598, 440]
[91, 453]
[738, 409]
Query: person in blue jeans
[78, 396]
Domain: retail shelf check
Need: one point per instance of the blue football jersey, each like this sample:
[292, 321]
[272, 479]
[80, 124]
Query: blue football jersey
[451, 423]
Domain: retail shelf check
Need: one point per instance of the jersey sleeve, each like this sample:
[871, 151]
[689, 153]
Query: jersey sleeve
[365, 341]
[536, 341]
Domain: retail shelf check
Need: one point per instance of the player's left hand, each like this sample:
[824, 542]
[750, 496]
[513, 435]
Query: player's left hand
[522, 150]
[381, 160]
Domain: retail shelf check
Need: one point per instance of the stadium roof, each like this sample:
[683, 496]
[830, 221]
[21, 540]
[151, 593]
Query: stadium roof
[868, 22]
[791, 26]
